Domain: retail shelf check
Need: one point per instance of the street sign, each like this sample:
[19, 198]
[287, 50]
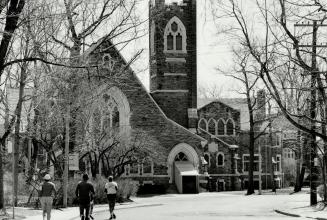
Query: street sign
[73, 161]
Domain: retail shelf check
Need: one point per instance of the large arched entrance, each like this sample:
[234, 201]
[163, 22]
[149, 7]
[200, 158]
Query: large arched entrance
[183, 165]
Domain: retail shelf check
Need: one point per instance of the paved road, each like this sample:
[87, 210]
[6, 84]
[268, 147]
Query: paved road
[203, 206]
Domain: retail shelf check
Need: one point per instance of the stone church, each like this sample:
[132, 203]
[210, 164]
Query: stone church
[197, 141]
[168, 113]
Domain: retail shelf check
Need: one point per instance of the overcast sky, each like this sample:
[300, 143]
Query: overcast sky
[212, 51]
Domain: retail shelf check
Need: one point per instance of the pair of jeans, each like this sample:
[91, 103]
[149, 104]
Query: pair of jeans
[86, 208]
[46, 203]
[112, 201]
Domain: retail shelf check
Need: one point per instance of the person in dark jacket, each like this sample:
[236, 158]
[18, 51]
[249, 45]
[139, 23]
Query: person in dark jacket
[84, 192]
[46, 196]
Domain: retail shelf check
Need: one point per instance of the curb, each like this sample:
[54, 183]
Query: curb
[287, 214]
[297, 216]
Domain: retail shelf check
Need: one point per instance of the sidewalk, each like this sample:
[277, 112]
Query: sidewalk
[305, 212]
[66, 213]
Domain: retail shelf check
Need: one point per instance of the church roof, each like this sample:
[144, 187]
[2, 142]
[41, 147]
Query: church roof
[107, 38]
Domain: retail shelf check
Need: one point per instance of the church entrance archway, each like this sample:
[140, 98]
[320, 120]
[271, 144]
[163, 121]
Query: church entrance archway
[183, 165]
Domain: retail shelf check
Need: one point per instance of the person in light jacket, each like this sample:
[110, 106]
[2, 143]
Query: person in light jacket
[47, 192]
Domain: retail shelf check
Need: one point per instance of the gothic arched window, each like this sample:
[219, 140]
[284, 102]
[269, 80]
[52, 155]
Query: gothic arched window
[207, 158]
[170, 42]
[115, 117]
[175, 36]
[212, 126]
[220, 159]
[230, 127]
[203, 124]
[221, 127]
[96, 121]
[179, 42]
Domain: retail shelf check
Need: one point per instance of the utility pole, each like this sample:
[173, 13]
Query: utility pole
[313, 107]
[313, 149]
[66, 170]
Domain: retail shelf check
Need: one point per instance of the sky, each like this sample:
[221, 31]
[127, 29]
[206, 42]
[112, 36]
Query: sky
[212, 52]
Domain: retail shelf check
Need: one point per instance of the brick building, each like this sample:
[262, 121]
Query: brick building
[225, 124]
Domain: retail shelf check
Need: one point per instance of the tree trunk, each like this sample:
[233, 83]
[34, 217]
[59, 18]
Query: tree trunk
[17, 129]
[1, 178]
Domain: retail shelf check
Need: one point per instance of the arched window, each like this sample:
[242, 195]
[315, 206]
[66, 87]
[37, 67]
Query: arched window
[230, 127]
[170, 42]
[221, 127]
[220, 159]
[181, 157]
[110, 113]
[175, 36]
[207, 158]
[96, 125]
[115, 117]
[212, 126]
[203, 124]
[179, 42]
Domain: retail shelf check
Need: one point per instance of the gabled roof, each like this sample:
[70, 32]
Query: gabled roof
[95, 45]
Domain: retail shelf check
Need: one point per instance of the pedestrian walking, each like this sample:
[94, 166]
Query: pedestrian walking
[111, 189]
[47, 192]
[84, 192]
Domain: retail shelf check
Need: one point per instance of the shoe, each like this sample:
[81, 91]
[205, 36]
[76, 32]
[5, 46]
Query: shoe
[91, 217]
[114, 215]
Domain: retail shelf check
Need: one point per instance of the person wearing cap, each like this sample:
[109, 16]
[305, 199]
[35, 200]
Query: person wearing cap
[111, 189]
[85, 192]
[46, 196]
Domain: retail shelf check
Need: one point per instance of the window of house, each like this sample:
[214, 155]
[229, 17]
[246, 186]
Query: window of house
[134, 169]
[203, 124]
[221, 127]
[207, 158]
[246, 162]
[147, 166]
[220, 159]
[230, 127]
[181, 157]
[127, 169]
[220, 185]
[175, 36]
[278, 163]
[212, 126]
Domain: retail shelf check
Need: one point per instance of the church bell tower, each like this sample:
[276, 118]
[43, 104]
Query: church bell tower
[173, 62]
